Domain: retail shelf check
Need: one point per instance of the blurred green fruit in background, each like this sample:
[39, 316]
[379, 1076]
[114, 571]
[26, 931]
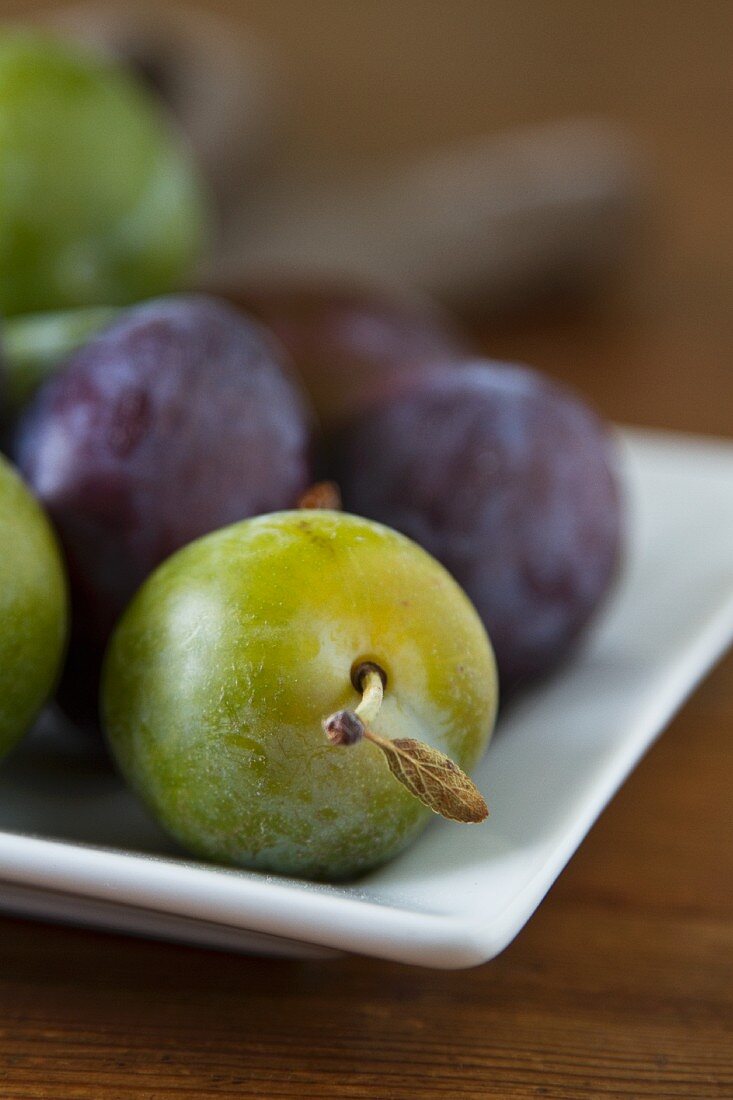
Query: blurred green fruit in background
[33, 608]
[34, 345]
[99, 202]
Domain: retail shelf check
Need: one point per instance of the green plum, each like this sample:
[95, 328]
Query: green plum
[99, 203]
[34, 345]
[222, 670]
[33, 608]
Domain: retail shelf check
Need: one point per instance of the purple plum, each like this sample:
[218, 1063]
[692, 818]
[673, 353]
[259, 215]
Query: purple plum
[510, 481]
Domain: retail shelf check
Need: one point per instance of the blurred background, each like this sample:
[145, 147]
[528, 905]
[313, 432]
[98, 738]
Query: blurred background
[560, 173]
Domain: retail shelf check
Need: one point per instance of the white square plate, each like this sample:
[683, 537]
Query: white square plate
[76, 846]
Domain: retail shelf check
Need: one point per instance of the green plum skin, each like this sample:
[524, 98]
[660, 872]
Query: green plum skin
[232, 653]
[33, 608]
[98, 201]
[33, 347]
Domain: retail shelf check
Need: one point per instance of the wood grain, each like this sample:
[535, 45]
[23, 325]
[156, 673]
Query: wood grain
[622, 983]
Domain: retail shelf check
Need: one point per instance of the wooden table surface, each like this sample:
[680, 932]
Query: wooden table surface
[622, 982]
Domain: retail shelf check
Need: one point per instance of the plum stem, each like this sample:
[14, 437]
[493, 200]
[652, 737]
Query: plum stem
[426, 773]
[372, 687]
[324, 494]
[348, 727]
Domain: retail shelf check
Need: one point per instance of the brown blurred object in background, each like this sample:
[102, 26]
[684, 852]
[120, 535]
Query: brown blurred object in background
[368, 86]
[487, 225]
[490, 222]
